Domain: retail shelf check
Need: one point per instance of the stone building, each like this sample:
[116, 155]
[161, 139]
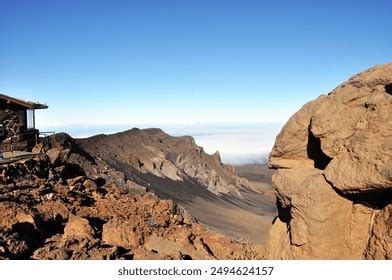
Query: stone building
[17, 123]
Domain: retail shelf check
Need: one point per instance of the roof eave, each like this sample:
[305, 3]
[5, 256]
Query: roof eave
[23, 103]
[40, 106]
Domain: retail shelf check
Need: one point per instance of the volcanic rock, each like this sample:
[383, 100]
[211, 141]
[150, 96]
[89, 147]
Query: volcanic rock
[78, 227]
[380, 241]
[119, 232]
[333, 184]
[61, 208]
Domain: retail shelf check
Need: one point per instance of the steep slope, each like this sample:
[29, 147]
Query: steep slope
[334, 183]
[176, 168]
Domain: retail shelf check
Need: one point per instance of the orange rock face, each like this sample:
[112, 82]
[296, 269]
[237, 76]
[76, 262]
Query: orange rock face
[334, 183]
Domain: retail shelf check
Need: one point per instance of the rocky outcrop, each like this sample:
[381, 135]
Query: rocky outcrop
[334, 183]
[58, 206]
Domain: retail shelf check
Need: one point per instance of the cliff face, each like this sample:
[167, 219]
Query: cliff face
[334, 174]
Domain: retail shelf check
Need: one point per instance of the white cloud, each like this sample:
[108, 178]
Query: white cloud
[241, 146]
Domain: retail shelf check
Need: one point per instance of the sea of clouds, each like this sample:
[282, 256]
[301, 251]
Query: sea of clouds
[237, 144]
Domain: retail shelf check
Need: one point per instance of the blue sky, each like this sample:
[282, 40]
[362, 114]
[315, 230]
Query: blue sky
[120, 62]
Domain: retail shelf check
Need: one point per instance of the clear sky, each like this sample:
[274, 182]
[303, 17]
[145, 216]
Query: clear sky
[118, 62]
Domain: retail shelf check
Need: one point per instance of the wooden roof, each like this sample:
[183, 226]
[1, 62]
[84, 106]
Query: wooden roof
[23, 103]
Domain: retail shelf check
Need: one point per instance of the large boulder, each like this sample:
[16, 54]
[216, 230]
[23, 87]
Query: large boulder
[123, 233]
[334, 161]
[77, 227]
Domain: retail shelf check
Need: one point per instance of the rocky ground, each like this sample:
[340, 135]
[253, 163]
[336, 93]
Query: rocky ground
[334, 174]
[63, 204]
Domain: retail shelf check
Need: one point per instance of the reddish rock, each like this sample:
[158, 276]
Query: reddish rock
[334, 171]
[90, 185]
[119, 232]
[78, 227]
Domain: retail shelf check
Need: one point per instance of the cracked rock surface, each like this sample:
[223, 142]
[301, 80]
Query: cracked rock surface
[334, 174]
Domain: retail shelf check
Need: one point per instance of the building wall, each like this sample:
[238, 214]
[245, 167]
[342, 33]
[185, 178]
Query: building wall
[9, 120]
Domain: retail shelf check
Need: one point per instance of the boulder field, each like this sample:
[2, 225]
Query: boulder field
[53, 208]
